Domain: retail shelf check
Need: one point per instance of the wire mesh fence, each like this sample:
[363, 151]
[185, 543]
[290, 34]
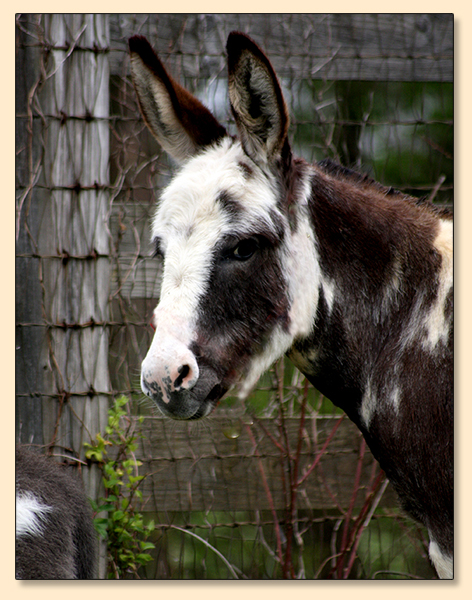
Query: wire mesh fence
[282, 485]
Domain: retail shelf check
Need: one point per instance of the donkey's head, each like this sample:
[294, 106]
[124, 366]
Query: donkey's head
[231, 230]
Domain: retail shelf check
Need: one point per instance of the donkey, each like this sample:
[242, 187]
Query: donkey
[266, 255]
[55, 536]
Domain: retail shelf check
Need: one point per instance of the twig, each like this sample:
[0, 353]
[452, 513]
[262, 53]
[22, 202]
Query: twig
[436, 188]
[208, 545]
[268, 494]
[365, 524]
[294, 486]
[359, 522]
[322, 451]
[347, 518]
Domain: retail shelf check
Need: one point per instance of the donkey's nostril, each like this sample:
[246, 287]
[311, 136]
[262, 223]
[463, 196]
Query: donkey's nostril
[184, 372]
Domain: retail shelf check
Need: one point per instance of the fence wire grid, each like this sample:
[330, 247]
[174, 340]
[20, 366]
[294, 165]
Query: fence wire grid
[281, 486]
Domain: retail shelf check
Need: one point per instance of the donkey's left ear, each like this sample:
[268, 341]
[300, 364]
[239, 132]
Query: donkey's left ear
[179, 122]
[256, 99]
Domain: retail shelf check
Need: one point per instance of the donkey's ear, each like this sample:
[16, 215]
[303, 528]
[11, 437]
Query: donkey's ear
[180, 122]
[256, 99]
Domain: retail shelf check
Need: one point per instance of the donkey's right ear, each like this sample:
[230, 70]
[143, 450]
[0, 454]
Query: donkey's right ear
[256, 100]
[180, 122]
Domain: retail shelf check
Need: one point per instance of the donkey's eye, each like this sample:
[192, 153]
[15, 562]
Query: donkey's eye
[245, 249]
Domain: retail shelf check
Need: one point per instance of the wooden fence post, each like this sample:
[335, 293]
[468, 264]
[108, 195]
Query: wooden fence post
[28, 295]
[74, 236]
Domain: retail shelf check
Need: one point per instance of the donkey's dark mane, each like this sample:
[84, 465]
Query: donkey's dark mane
[361, 179]
[365, 182]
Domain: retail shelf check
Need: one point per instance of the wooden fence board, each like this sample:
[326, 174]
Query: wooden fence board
[375, 47]
[204, 470]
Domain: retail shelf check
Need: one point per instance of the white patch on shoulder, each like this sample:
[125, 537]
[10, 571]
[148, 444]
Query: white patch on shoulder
[30, 515]
[328, 292]
[394, 398]
[369, 403]
[414, 329]
[429, 326]
[437, 327]
[392, 291]
[443, 563]
[371, 400]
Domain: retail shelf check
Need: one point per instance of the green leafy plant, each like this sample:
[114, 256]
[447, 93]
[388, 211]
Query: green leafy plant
[117, 519]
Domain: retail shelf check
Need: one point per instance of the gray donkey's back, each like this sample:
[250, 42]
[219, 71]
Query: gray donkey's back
[55, 537]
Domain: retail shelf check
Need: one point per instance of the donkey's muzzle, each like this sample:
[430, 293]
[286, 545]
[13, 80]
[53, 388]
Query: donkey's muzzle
[185, 404]
[178, 385]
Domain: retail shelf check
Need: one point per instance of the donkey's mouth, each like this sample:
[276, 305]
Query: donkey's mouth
[192, 404]
[210, 402]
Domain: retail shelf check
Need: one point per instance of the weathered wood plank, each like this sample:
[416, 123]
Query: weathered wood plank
[74, 225]
[136, 274]
[191, 467]
[28, 307]
[376, 47]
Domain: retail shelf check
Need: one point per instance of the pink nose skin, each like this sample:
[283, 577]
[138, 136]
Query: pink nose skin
[169, 367]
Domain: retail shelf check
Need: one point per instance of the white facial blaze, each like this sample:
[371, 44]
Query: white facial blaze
[190, 221]
[189, 224]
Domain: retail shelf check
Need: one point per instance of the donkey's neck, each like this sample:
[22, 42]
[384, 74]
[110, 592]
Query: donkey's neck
[377, 267]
